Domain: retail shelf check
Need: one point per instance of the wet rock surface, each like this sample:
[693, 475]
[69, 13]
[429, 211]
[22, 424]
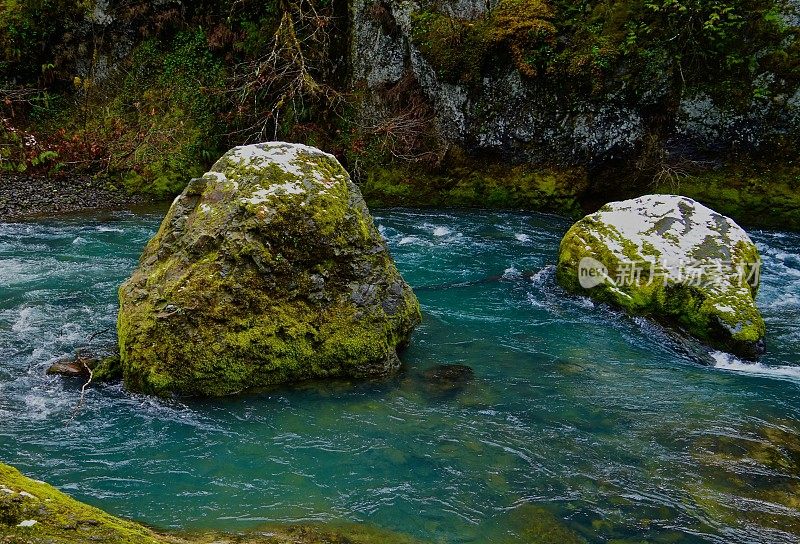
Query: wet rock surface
[70, 368]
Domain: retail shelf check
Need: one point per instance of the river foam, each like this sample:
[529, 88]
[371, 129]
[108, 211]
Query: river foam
[726, 361]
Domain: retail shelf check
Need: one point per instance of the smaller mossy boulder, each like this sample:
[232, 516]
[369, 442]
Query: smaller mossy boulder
[267, 270]
[671, 258]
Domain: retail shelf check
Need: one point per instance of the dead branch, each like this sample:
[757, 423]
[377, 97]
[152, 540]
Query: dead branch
[97, 333]
[402, 122]
[78, 406]
[283, 79]
[81, 360]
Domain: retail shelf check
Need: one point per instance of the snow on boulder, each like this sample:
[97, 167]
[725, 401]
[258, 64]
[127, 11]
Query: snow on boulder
[674, 259]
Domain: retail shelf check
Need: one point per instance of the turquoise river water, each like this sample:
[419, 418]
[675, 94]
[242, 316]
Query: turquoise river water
[578, 420]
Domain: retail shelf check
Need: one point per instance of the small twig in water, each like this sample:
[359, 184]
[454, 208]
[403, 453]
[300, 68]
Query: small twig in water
[83, 390]
[97, 333]
[82, 361]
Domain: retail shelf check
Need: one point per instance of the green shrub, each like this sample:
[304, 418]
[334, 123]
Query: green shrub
[459, 48]
[168, 110]
[629, 44]
[32, 35]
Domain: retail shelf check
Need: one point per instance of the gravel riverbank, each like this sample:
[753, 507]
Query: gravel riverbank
[28, 196]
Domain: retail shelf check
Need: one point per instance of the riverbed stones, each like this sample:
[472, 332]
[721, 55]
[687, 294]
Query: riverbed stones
[69, 368]
[99, 369]
[674, 259]
[267, 270]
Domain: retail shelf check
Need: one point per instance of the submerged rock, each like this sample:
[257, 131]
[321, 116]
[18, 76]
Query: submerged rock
[749, 476]
[534, 524]
[446, 380]
[101, 369]
[266, 270]
[673, 259]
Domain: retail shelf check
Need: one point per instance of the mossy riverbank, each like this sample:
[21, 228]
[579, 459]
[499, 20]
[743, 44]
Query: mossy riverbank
[760, 196]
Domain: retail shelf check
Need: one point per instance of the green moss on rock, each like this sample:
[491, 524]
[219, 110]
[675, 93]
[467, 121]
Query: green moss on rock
[267, 270]
[34, 512]
[766, 195]
[478, 184]
[671, 258]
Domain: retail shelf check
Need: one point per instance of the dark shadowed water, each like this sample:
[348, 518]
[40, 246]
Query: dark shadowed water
[577, 422]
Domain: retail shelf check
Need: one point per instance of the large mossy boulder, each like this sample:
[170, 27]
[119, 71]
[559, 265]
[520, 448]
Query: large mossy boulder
[671, 258]
[266, 270]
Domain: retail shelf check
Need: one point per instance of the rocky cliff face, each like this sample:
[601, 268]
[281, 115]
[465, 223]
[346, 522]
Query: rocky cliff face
[536, 104]
[493, 105]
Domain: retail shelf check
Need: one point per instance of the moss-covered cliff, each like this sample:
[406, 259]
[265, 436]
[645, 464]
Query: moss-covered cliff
[543, 104]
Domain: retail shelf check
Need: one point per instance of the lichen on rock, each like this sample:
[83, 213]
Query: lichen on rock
[671, 258]
[266, 270]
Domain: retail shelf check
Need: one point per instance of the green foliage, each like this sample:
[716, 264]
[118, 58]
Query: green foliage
[718, 45]
[459, 49]
[256, 33]
[152, 119]
[20, 152]
[44, 157]
[30, 31]
[594, 44]
[166, 115]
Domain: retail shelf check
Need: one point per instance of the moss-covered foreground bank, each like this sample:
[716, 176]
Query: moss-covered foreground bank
[33, 512]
